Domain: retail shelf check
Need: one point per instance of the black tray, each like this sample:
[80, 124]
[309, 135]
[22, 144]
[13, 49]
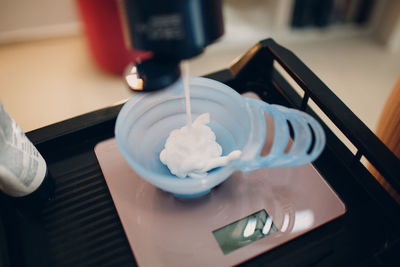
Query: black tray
[81, 226]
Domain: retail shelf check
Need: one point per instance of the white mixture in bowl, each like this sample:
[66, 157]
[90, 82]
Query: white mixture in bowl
[192, 150]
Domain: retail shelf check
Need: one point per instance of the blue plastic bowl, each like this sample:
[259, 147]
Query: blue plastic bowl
[146, 120]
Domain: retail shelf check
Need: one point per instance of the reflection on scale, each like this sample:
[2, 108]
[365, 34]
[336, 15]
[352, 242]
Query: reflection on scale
[259, 225]
[245, 231]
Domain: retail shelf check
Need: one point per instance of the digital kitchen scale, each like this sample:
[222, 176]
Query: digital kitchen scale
[243, 217]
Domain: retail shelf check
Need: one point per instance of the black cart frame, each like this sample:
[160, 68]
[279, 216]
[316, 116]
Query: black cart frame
[80, 227]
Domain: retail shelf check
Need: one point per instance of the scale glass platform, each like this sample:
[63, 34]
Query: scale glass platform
[243, 217]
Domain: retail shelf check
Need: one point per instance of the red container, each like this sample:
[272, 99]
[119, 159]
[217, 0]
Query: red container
[103, 29]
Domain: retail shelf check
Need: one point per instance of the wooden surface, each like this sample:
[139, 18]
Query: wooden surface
[388, 130]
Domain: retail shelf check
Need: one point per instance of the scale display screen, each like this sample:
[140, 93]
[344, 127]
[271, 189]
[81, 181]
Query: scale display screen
[244, 231]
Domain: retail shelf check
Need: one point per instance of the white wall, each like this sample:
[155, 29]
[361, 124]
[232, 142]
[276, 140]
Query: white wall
[387, 30]
[22, 20]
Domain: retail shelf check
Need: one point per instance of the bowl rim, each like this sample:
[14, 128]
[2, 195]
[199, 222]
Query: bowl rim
[168, 182]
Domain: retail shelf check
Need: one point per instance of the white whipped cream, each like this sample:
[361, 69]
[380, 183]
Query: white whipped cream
[192, 150]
